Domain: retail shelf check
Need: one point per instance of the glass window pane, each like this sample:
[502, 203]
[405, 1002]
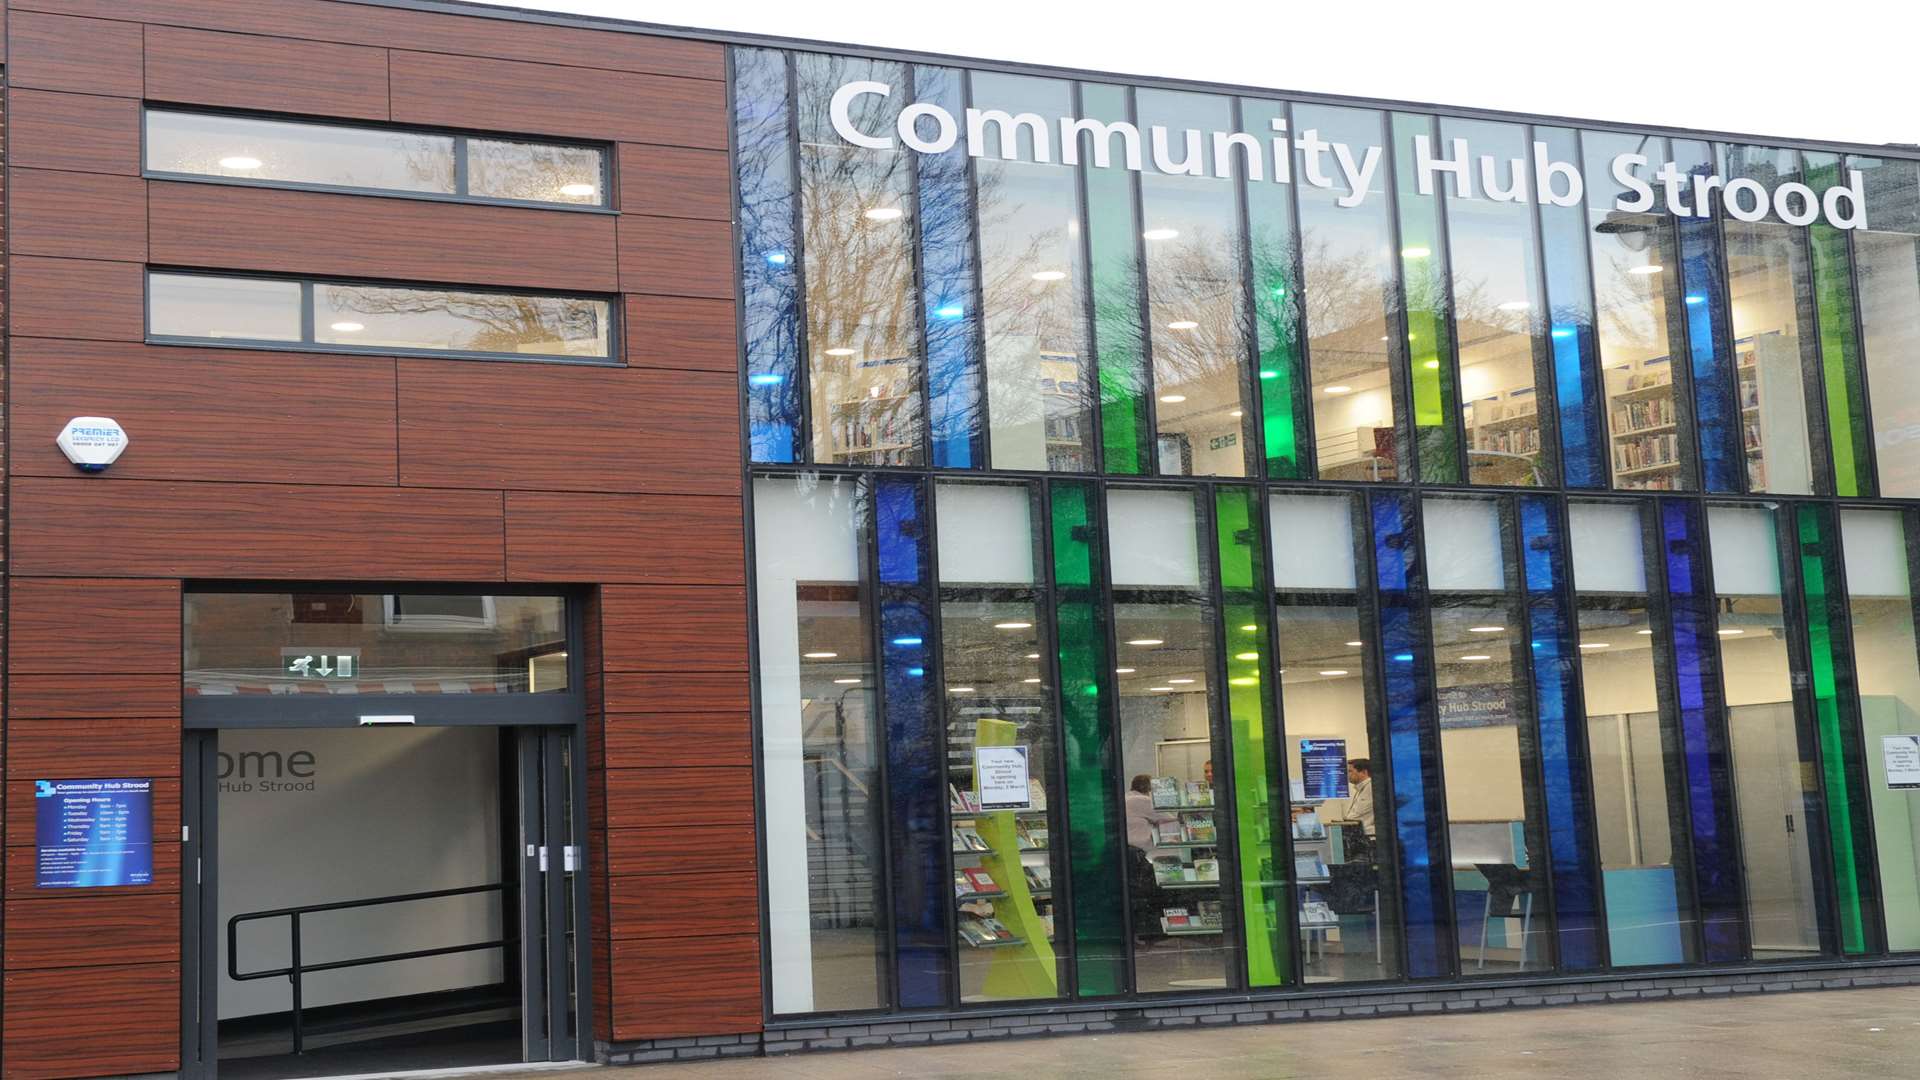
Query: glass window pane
[1196, 299]
[1633, 742]
[381, 317]
[1348, 920]
[999, 701]
[1498, 310]
[1494, 818]
[1039, 383]
[1168, 705]
[820, 748]
[1348, 258]
[1887, 264]
[369, 643]
[1771, 754]
[1273, 244]
[769, 292]
[863, 333]
[240, 309]
[535, 172]
[245, 148]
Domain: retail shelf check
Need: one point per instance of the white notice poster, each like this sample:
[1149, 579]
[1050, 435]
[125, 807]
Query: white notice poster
[1001, 772]
[1903, 760]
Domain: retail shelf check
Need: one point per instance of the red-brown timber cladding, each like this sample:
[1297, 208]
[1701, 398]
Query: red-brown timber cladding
[404, 470]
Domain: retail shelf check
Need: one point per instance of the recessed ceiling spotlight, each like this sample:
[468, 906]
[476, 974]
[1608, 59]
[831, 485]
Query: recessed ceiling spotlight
[1146, 641]
[1731, 633]
[1649, 268]
[1355, 644]
[1485, 629]
[1183, 324]
[1172, 399]
[1415, 252]
[1339, 389]
[1330, 672]
[1477, 656]
[347, 327]
[1123, 671]
[842, 351]
[1596, 644]
[959, 689]
[1180, 682]
[1049, 275]
[820, 655]
[577, 191]
[1160, 234]
[1515, 305]
[846, 682]
[1013, 625]
[884, 213]
[241, 162]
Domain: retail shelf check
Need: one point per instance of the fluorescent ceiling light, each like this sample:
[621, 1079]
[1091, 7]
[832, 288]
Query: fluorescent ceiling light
[884, 213]
[577, 191]
[1049, 275]
[1160, 234]
[241, 162]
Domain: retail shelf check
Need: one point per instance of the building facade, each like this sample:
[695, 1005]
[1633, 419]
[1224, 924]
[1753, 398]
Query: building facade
[635, 544]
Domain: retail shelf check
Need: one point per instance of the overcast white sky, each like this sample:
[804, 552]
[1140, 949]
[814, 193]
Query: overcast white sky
[1845, 70]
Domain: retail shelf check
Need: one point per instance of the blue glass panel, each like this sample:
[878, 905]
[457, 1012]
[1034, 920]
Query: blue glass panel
[916, 787]
[1563, 739]
[1412, 737]
[1716, 846]
[949, 286]
[1704, 280]
[769, 260]
[1570, 333]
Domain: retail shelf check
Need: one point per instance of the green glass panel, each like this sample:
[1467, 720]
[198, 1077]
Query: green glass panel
[1259, 788]
[1088, 746]
[1113, 237]
[1273, 240]
[1423, 272]
[1837, 719]
[1840, 359]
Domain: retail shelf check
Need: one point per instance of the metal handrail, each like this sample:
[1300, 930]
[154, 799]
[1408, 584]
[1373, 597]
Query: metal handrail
[296, 970]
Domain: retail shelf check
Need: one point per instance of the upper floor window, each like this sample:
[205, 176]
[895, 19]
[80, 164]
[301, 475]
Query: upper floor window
[348, 316]
[300, 153]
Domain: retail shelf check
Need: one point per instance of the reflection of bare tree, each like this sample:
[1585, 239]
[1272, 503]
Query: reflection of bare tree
[1346, 295]
[493, 322]
[768, 274]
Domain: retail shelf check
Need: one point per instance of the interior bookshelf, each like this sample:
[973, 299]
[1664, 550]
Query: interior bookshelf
[985, 915]
[873, 411]
[1186, 858]
[1643, 418]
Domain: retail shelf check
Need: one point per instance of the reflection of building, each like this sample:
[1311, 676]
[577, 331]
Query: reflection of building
[1336, 588]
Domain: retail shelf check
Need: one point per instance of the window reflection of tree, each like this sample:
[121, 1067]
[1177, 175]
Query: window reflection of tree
[505, 170]
[768, 279]
[481, 322]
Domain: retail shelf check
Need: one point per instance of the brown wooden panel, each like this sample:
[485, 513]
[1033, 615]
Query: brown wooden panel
[99, 1021]
[41, 749]
[615, 106]
[696, 849]
[520, 426]
[674, 628]
[675, 181]
[677, 692]
[676, 257]
[77, 132]
[275, 418]
[641, 538]
[83, 930]
[275, 74]
[666, 988]
[166, 871]
[240, 228]
[427, 31]
[166, 823]
[65, 625]
[664, 798]
[78, 215]
[684, 905]
[678, 739]
[682, 333]
[88, 56]
[90, 695]
[78, 298]
[253, 530]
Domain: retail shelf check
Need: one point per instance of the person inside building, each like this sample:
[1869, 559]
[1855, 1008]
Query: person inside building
[1359, 808]
[1142, 818]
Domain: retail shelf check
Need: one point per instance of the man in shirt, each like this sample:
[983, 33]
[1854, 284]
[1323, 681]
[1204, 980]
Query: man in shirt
[1359, 805]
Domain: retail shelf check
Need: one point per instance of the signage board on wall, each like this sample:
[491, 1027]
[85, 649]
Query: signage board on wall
[1476, 706]
[92, 833]
[1323, 768]
[1001, 772]
[1902, 754]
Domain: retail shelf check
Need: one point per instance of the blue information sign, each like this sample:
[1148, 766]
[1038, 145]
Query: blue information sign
[1323, 768]
[93, 833]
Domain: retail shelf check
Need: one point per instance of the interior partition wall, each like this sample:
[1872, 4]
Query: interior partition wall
[1216, 544]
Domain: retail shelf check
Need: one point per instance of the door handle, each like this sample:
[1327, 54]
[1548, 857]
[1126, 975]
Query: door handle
[543, 858]
[570, 858]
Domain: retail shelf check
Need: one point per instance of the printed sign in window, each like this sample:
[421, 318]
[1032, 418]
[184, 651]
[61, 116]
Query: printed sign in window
[1001, 772]
[1902, 754]
[93, 833]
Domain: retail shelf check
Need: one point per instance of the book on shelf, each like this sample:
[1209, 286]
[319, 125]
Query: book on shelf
[1209, 914]
[979, 880]
[1165, 791]
[1046, 923]
[1169, 870]
[1200, 828]
[1168, 832]
[996, 929]
[1206, 869]
[969, 839]
[1199, 794]
[1039, 877]
[984, 930]
[1308, 826]
[1032, 835]
[1175, 918]
[962, 802]
[1317, 913]
[1036, 794]
[1309, 866]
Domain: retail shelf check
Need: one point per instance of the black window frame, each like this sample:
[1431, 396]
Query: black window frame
[460, 136]
[616, 351]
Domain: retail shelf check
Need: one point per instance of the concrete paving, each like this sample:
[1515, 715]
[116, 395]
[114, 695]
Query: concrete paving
[1830, 1035]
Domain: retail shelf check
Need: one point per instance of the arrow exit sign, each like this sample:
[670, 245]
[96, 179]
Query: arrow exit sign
[320, 663]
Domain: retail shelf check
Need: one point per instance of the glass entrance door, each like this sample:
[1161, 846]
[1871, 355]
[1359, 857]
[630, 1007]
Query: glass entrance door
[553, 894]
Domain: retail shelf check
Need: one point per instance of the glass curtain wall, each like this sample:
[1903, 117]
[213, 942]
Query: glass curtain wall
[1772, 752]
[1273, 247]
[1169, 702]
[1634, 742]
[1488, 749]
[1886, 258]
[1002, 760]
[1341, 802]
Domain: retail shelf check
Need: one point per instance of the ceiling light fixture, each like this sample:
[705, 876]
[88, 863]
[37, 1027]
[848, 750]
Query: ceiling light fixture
[577, 191]
[1146, 641]
[1334, 671]
[1731, 633]
[842, 351]
[1485, 629]
[1340, 389]
[1161, 689]
[1515, 305]
[347, 327]
[1415, 252]
[819, 655]
[1649, 268]
[1160, 234]
[1355, 644]
[1049, 275]
[885, 213]
[1123, 671]
[1183, 324]
[1246, 656]
[1181, 682]
[1477, 656]
[1596, 644]
[1014, 625]
[846, 682]
[1172, 399]
[241, 162]
[959, 689]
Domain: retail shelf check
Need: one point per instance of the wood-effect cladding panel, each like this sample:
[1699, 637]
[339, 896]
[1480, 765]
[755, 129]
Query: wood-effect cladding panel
[78, 215]
[689, 539]
[327, 418]
[664, 798]
[409, 240]
[78, 298]
[82, 930]
[97, 1021]
[268, 531]
[676, 256]
[86, 56]
[74, 132]
[426, 31]
[44, 749]
[684, 905]
[695, 849]
[555, 427]
[675, 181]
[62, 626]
[266, 74]
[671, 987]
[677, 692]
[506, 95]
[682, 333]
[674, 628]
[90, 695]
[634, 741]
